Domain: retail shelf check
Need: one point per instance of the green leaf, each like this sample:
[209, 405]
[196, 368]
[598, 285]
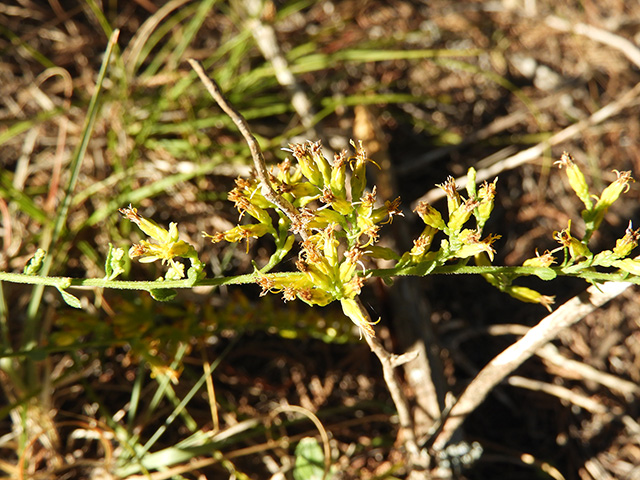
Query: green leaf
[163, 294]
[69, 299]
[114, 264]
[545, 273]
[37, 354]
[309, 460]
[195, 272]
[382, 252]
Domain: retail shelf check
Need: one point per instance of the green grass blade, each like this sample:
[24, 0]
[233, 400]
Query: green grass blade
[63, 212]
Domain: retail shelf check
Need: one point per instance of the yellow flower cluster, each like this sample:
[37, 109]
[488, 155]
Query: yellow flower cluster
[339, 218]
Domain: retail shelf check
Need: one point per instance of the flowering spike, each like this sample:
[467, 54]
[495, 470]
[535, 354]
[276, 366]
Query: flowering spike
[168, 245]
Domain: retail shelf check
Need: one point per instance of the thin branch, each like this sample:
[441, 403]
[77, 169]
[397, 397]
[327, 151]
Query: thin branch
[559, 391]
[550, 354]
[624, 46]
[389, 361]
[256, 152]
[511, 358]
[266, 40]
[534, 152]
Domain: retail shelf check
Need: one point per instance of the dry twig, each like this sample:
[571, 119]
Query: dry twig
[558, 391]
[266, 40]
[389, 362]
[256, 152]
[529, 154]
[511, 358]
[626, 47]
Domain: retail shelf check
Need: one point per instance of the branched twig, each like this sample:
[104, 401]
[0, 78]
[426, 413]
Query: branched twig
[256, 152]
[511, 358]
[389, 361]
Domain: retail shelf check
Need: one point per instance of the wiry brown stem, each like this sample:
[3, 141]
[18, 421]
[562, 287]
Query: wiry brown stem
[256, 152]
[511, 358]
[390, 361]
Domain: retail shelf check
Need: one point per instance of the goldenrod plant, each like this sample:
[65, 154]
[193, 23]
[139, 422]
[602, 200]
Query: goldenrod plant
[324, 213]
[339, 222]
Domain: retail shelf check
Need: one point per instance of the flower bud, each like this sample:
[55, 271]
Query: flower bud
[577, 249]
[307, 164]
[358, 176]
[459, 217]
[472, 247]
[525, 294]
[34, 265]
[486, 197]
[453, 197]
[387, 212]
[544, 260]
[339, 175]
[626, 244]
[149, 227]
[609, 195]
[576, 179]
[321, 162]
[629, 265]
[330, 245]
[430, 216]
[354, 311]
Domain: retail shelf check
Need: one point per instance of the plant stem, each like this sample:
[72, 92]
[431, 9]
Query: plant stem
[389, 362]
[256, 152]
[67, 282]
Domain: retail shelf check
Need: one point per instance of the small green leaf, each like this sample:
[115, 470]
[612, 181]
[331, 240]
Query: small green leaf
[545, 273]
[195, 272]
[114, 265]
[37, 354]
[382, 252]
[309, 460]
[163, 294]
[70, 299]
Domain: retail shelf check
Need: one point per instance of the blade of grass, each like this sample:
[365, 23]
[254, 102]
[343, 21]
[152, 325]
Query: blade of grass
[17, 128]
[187, 398]
[190, 31]
[152, 31]
[24, 202]
[134, 400]
[51, 237]
[151, 190]
[16, 41]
